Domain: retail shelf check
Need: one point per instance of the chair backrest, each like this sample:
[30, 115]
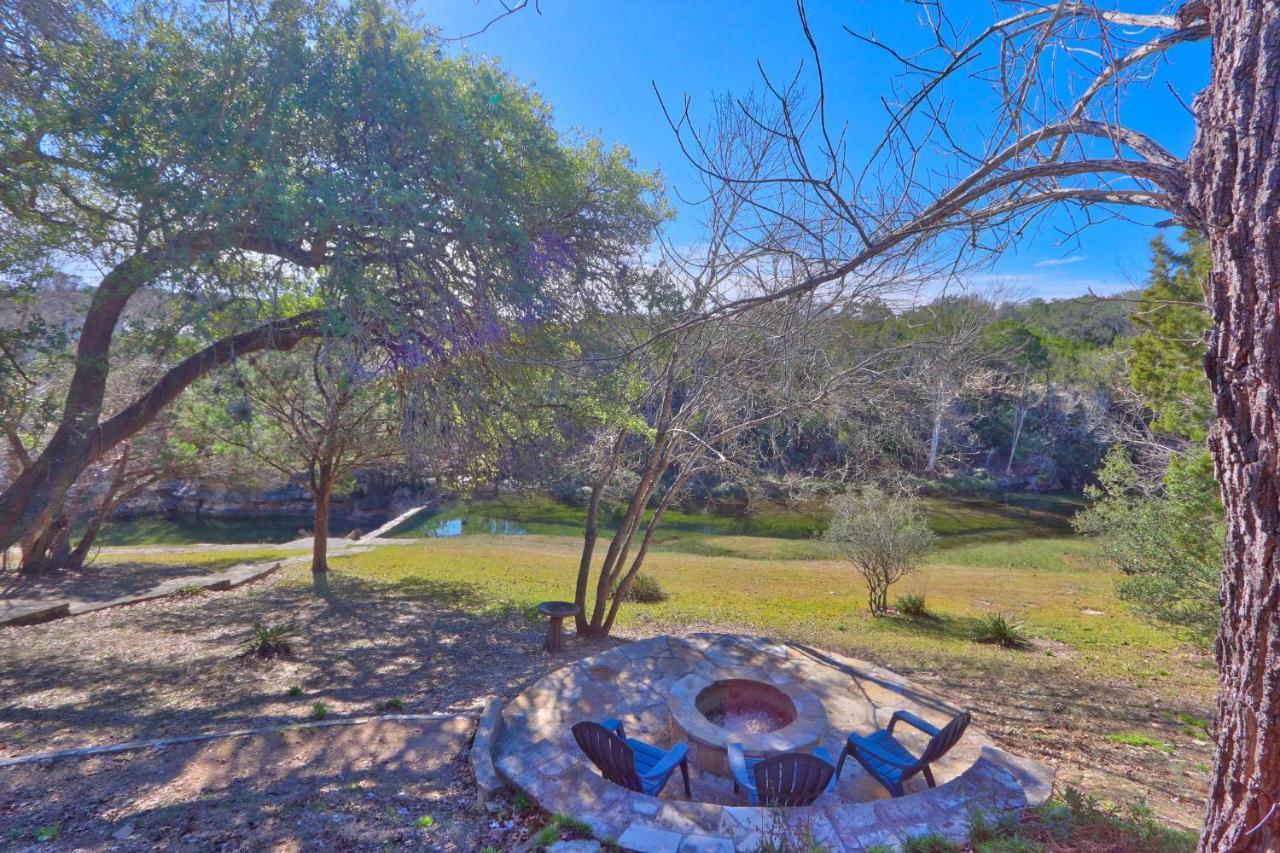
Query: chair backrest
[792, 779]
[608, 752]
[942, 742]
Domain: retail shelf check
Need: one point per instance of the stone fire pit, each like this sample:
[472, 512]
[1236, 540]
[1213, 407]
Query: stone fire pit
[764, 711]
[708, 688]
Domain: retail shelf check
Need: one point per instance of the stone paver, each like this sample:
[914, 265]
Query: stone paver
[536, 752]
[650, 839]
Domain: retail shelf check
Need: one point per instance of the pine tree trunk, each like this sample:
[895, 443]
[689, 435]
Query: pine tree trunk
[1234, 174]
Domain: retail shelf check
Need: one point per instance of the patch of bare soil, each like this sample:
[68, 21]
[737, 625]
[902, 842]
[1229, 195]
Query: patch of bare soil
[361, 787]
[173, 666]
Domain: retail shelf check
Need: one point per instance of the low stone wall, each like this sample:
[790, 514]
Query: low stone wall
[489, 783]
[536, 753]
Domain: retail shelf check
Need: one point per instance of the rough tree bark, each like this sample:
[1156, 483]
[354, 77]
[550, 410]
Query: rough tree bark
[75, 560]
[1234, 173]
[30, 504]
[322, 490]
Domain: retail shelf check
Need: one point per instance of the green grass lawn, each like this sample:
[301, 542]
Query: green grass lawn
[210, 559]
[793, 590]
[1114, 702]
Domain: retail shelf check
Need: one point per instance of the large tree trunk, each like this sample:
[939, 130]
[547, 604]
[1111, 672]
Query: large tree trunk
[320, 541]
[29, 504]
[77, 557]
[1235, 188]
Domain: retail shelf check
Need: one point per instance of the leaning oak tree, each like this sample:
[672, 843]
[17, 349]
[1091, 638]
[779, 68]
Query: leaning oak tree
[934, 191]
[216, 155]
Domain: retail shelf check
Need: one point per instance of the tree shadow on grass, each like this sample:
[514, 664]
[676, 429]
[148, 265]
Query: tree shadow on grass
[103, 583]
[174, 667]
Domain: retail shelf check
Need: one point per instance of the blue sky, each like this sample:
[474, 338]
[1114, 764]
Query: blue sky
[596, 62]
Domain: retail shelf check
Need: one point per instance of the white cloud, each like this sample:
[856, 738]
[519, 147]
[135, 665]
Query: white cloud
[1061, 262]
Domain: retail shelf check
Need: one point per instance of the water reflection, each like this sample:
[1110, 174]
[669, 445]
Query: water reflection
[451, 527]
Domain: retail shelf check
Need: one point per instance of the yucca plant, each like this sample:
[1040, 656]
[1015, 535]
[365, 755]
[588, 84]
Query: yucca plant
[270, 641]
[1001, 629]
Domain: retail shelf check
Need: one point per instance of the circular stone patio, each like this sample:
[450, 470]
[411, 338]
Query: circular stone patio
[533, 748]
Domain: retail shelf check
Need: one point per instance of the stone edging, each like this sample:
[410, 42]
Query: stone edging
[538, 759]
[130, 746]
[489, 783]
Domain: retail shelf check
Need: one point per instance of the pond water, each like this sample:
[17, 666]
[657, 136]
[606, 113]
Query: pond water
[516, 516]
[543, 517]
[192, 528]
[955, 519]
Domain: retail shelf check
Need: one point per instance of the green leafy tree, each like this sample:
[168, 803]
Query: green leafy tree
[1166, 540]
[322, 414]
[884, 536]
[426, 201]
[1166, 359]
[1165, 529]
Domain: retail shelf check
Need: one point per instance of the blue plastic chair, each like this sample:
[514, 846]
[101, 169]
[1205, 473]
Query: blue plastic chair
[788, 779]
[628, 762]
[892, 764]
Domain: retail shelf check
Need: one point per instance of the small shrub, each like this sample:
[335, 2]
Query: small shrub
[1000, 833]
[788, 832]
[391, 705]
[189, 591]
[294, 691]
[911, 605]
[1077, 817]
[931, 843]
[319, 711]
[645, 589]
[884, 537]
[270, 641]
[426, 821]
[1001, 630]
[48, 833]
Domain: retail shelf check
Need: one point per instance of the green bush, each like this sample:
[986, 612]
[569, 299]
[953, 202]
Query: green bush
[912, 605]
[645, 589]
[883, 536]
[319, 711]
[270, 641]
[1000, 629]
[1165, 537]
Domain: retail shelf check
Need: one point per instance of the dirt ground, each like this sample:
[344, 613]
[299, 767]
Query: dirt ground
[360, 787]
[173, 667]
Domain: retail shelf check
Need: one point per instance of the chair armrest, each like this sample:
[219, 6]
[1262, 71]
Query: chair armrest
[738, 765]
[912, 720]
[882, 755]
[614, 726]
[668, 762]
